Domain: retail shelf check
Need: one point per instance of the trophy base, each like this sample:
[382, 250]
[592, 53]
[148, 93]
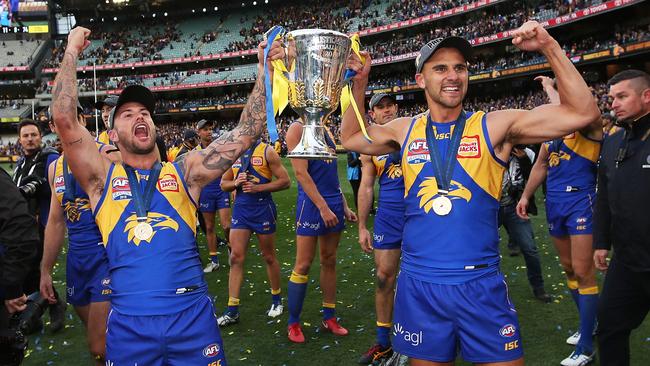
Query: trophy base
[311, 155]
[313, 144]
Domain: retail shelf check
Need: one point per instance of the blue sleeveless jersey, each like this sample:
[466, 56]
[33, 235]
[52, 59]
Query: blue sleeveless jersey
[325, 175]
[464, 244]
[572, 165]
[391, 181]
[161, 275]
[83, 233]
[258, 171]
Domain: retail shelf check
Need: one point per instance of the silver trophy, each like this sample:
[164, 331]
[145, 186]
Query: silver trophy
[316, 60]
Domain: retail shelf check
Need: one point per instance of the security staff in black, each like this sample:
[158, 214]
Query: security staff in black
[18, 242]
[622, 219]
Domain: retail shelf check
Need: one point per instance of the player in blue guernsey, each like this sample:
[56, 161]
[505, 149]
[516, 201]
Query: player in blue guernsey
[146, 211]
[251, 177]
[321, 211]
[213, 199]
[569, 165]
[450, 295]
[86, 265]
[386, 239]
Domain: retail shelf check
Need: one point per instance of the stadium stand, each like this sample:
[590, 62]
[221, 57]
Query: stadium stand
[18, 52]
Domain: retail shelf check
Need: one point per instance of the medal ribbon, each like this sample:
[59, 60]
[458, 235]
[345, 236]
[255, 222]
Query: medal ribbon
[142, 201]
[443, 178]
[347, 98]
[68, 179]
[272, 35]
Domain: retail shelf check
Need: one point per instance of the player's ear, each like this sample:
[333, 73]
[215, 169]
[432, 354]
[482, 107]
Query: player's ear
[113, 136]
[419, 79]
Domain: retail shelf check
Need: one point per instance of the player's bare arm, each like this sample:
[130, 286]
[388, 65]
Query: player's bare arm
[385, 138]
[576, 110]
[53, 241]
[281, 181]
[203, 166]
[366, 190]
[85, 161]
[536, 178]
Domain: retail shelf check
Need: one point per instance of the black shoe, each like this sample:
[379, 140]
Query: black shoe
[375, 354]
[57, 315]
[541, 295]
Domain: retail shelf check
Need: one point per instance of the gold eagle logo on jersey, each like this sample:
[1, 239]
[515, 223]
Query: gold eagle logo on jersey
[429, 191]
[555, 158]
[394, 171]
[73, 210]
[157, 221]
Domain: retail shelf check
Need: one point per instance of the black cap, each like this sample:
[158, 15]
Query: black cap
[376, 98]
[133, 93]
[110, 101]
[202, 123]
[459, 43]
[190, 134]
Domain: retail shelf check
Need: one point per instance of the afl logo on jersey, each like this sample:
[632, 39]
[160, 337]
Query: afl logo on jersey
[59, 184]
[120, 188]
[211, 350]
[469, 147]
[257, 161]
[508, 331]
[168, 183]
[418, 152]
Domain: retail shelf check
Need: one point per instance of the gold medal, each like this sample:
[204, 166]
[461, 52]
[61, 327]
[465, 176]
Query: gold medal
[143, 231]
[442, 205]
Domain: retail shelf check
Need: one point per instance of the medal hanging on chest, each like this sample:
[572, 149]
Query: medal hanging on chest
[442, 205]
[142, 200]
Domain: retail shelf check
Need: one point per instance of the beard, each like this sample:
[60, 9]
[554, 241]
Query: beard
[130, 144]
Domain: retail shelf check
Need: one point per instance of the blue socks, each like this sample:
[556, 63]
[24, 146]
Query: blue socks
[296, 291]
[588, 304]
[383, 334]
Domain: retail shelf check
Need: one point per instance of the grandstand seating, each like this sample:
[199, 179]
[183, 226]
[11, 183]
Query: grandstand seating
[18, 53]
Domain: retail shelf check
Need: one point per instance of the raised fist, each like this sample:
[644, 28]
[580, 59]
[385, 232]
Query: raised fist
[78, 40]
[531, 36]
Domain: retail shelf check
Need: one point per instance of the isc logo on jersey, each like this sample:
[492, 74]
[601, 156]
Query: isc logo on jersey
[59, 184]
[507, 331]
[120, 188]
[469, 147]
[211, 350]
[418, 152]
[168, 183]
[257, 161]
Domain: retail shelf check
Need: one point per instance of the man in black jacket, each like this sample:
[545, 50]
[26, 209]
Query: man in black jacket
[30, 176]
[18, 242]
[621, 218]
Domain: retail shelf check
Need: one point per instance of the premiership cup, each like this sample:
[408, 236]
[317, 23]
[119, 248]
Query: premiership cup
[316, 60]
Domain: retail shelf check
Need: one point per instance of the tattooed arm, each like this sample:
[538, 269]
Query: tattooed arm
[203, 166]
[85, 162]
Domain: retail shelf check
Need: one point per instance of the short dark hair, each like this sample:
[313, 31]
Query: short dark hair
[29, 122]
[629, 75]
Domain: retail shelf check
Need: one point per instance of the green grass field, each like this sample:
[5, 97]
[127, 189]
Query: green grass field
[258, 341]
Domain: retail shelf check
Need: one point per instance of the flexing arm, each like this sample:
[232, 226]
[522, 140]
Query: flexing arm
[576, 109]
[203, 166]
[85, 161]
[365, 194]
[537, 177]
[53, 241]
[385, 138]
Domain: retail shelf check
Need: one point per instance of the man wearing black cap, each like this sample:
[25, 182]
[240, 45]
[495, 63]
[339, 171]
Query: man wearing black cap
[190, 140]
[450, 293]
[386, 238]
[146, 213]
[105, 106]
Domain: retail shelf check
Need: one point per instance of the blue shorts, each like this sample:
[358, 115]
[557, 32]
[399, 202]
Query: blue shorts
[189, 337]
[309, 221]
[256, 217]
[432, 321]
[388, 229]
[87, 277]
[212, 201]
[571, 215]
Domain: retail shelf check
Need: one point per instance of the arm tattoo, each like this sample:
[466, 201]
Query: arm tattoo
[78, 141]
[64, 99]
[223, 152]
